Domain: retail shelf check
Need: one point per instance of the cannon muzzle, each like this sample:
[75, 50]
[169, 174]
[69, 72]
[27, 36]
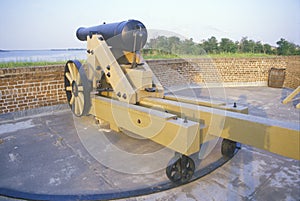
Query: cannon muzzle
[128, 35]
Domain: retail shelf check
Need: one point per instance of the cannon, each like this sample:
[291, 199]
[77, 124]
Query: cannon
[116, 85]
[130, 36]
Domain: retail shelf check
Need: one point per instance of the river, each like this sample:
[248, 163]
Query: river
[41, 55]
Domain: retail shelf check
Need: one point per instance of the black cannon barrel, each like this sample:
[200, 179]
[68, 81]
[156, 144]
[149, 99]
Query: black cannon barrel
[128, 35]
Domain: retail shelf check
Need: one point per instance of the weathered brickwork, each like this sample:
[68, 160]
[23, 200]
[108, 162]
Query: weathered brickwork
[225, 70]
[27, 88]
[292, 78]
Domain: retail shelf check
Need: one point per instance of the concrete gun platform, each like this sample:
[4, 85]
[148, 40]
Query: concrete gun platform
[44, 154]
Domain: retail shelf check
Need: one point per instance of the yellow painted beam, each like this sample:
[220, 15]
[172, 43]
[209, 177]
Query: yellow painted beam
[161, 127]
[275, 136]
[291, 96]
[208, 103]
[195, 101]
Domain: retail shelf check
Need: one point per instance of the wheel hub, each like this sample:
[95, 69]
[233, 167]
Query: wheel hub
[75, 88]
[180, 170]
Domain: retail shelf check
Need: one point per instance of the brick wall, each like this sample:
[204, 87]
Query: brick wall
[292, 78]
[228, 71]
[28, 88]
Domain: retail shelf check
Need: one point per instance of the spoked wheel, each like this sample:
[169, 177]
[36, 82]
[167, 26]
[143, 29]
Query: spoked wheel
[77, 88]
[228, 148]
[180, 169]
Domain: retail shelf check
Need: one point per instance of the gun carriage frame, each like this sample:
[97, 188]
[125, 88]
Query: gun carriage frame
[117, 85]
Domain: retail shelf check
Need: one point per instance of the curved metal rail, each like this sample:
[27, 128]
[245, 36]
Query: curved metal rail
[11, 193]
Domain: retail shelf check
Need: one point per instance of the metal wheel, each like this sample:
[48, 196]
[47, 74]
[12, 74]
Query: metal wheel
[180, 169]
[228, 148]
[77, 88]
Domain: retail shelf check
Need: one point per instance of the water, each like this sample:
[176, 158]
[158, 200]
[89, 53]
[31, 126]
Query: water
[41, 55]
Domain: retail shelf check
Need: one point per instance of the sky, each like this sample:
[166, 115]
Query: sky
[50, 24]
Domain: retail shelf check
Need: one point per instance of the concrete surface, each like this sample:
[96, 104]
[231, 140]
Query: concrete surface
[47, 154]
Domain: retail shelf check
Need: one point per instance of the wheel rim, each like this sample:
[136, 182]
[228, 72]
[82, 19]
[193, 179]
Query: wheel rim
[181, 169]
[75, 88]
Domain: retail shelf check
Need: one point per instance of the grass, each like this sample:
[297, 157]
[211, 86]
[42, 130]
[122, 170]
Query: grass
[221, 55]
[240, 55]
[14, 64]
[161, 56]
[146, 56]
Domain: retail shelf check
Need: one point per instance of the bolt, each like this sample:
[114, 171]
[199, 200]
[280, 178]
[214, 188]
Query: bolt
[185, 120]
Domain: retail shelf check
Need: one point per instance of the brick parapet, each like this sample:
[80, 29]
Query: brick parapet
[33, 87]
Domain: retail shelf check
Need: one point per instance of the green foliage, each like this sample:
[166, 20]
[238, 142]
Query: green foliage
[228, 46]
[268, 49]
[173, 45]
[240, 55]
[155, 54]
[287, 48]
[211, 45]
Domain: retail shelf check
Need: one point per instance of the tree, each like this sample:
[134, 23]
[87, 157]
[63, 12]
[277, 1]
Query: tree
[227, 45]
[297, 50]
[267, 49]
[159, 43]
[211, 45]
[244, 45]
[187, 46]
[285, 47]
[258, 48]
[251, 46]
[174, 43]
[248, 46]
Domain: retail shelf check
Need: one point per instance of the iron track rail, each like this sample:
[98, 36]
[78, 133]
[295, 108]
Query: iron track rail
[16, 194]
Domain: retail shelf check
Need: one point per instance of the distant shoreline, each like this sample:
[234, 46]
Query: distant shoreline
[67, 49]
[52, 55]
